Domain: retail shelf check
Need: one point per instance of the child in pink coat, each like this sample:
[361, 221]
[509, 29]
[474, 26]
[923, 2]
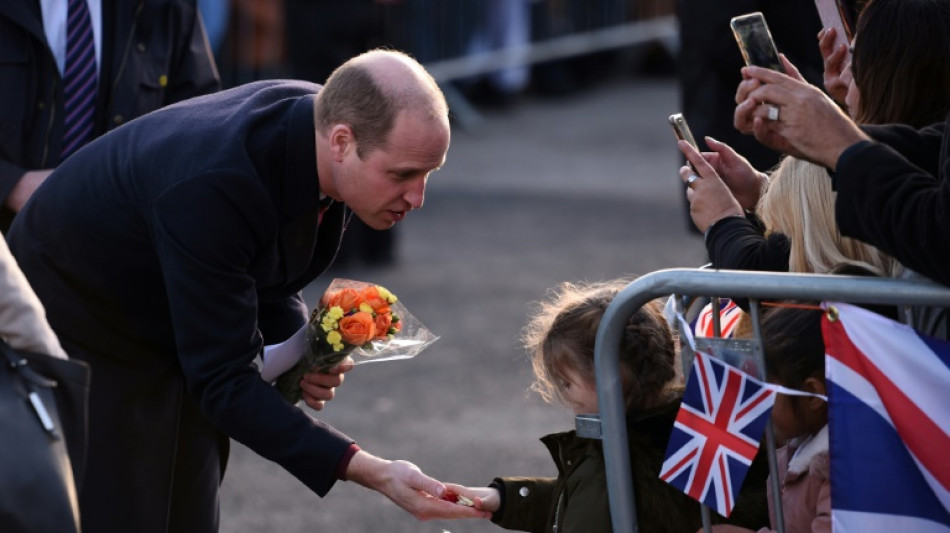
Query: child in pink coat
[795, 358]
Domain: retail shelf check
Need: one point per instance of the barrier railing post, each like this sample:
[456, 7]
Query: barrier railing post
[735, 284]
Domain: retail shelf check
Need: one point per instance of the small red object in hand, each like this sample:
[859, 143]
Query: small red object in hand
[450, 496]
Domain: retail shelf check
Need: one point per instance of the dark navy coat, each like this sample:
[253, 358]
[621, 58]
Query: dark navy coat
[167, 253]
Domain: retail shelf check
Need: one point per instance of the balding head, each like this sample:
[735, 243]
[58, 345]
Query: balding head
[367, 93]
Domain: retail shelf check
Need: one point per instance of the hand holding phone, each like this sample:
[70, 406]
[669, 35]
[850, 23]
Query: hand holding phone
[681, 129]
[683, 133]
[835, 15]
[755, 41]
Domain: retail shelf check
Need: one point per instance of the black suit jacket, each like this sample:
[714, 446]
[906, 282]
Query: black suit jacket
[167, 252]
[155, 52]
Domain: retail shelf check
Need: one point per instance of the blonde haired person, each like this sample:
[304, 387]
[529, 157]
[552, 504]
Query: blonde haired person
[792, 229]
[800, 204]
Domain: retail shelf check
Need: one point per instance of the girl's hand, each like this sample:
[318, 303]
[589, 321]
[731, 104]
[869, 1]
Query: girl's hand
[837, 60]
[484, 498]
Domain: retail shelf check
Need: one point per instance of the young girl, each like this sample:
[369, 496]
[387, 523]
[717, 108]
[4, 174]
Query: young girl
[795, 358]
[560, 340]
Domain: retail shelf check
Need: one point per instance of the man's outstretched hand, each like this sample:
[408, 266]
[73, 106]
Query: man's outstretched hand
[408, 487]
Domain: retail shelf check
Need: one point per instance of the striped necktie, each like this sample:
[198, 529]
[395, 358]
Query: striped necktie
[79, 78]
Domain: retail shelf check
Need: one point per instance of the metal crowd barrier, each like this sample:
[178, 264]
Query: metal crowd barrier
[699, 282]
[461, 38]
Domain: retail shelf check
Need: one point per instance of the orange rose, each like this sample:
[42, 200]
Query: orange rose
[357, 329]
[377, 302]
[347, 299]
[383, 321]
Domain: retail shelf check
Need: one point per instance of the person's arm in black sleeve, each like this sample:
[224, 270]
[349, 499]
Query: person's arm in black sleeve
[920, 147]
[738, 243]
[887, 201]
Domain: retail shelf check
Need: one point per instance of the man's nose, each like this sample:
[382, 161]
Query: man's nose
[415, 194]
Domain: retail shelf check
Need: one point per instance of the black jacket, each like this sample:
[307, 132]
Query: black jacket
[155, 52]
[577, 502]
[739, 243]
[894, 194]
[178, 248]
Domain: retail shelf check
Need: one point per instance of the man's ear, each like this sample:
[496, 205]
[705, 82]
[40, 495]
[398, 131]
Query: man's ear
[341, 141]
[815, 386]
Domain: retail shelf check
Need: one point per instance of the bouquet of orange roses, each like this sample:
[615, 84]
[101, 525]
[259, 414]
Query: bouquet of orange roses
[361, 320]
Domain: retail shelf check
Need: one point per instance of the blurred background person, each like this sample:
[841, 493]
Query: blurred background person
[320, 35]
[114, 62]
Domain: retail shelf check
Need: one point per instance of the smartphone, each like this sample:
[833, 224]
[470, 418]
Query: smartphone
[755, 41]
[834, 14]
[681, 129]
[683, 133]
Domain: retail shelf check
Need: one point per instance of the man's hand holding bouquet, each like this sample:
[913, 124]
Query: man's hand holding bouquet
[361, 320]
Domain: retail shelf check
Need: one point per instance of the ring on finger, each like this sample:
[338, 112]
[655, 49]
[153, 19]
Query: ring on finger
[691, 180]
[773, 111]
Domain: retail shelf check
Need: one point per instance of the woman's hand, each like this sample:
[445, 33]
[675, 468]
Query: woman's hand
[744, 181]
[837, 60]
[709, 197]
[803, 121]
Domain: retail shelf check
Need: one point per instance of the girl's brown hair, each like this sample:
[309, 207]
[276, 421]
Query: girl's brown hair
[561, 334]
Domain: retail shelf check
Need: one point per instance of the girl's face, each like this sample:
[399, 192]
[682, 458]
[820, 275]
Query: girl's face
[796, 416]
[786, 421]
[579, 393]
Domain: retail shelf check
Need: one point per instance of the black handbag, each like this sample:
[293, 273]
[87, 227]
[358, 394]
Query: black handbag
[43, 415]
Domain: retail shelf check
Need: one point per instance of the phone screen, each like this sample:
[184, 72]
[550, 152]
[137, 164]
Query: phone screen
[755, 41]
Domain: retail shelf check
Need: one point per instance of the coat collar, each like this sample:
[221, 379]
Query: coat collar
[303, 259]
[303, 184]
[806, 450]
[25, 13]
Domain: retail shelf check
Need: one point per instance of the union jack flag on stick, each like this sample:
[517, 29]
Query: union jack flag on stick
[717, 432]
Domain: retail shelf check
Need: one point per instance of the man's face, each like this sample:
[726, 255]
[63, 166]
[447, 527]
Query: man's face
[391, 181]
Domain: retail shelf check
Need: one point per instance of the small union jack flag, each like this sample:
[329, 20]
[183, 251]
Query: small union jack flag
[717, 432]
[730, 315]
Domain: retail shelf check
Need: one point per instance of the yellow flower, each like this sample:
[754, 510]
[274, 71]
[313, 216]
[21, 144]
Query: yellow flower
[337, 347]
[335, 312]
[385, 294]
[334, 338]
[366, 308]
